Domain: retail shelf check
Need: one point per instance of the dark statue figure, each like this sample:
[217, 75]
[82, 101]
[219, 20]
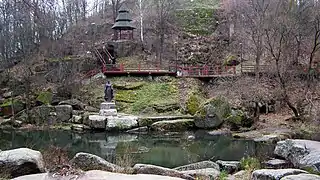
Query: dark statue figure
[108, 92]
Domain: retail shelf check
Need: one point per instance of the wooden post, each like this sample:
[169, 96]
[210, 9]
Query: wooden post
[139, 67]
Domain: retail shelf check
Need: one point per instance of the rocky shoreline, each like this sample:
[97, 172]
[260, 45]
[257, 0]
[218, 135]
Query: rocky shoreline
[300, 160]
[75, 116]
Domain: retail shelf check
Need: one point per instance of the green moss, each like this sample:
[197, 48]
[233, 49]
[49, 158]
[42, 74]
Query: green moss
[45, 97]
[154, 95]
[193, 103]
[250, 164]
[127, 96]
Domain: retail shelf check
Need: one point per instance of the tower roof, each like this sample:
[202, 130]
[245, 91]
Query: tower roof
[124, 16]
[123, 20]
[123, 8]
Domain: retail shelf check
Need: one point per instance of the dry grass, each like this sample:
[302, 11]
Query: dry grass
[54, 157]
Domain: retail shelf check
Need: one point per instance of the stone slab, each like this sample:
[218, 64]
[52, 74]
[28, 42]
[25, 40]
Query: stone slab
[107, 105]
[108, 112]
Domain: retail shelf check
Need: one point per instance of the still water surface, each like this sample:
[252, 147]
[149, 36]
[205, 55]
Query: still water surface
[168, 150]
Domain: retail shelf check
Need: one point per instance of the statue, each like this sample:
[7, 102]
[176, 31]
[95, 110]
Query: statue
[108, 92]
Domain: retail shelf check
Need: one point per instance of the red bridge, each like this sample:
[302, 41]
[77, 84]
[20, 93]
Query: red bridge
[204, 71]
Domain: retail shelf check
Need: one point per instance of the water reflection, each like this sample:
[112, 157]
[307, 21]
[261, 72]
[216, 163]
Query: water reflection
[165, 150]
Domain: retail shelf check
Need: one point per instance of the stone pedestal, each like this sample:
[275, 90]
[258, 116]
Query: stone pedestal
[108, 109]
[107, 106]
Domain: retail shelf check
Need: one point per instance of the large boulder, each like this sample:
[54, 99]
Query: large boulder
[86, 161]
[19, 162]
[97, 122]
[198, 165]
[64, 113]
[302, 177]
[229, 166]
[212, 114]
[42, 114]
[238, 119]
[277, 164]
[208, 173]
[274, 174]
[121, 123]
[99, 175]
[157, 170]
[76, 104]
[173, 125]
[301, 153]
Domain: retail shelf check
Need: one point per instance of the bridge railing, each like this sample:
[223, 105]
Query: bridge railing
[203, 71]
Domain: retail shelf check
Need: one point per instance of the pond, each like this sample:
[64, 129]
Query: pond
[167, 150]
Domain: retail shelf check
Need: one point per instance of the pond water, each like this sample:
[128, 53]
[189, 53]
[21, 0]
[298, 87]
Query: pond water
[167, 150]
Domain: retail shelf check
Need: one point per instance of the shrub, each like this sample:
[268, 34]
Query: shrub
[250, 164]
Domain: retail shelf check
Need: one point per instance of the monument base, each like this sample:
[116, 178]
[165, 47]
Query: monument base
[108, 112]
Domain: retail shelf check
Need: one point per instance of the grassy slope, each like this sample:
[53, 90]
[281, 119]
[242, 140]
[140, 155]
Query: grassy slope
[139, 95]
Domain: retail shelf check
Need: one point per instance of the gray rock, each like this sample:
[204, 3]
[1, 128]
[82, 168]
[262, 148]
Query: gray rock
[148, 121]
[173, 125]
[108, 112]
[77, 112]
[85, 117]
[302, 177]
[42, 114]
[241, 175]
[301, 153]
[91, 109]
[121, 123]
[277, 164]
[274, 174]
[229, 166]
[139, 130]
[157, 170]
[208, 173]
[97, 122]
[76, 104]
[99, 175]
[76, 119]
[7, 94]
[212, 114]
[79, 127]
[22, 161]
[269, 138]
[86, 161]
[64, 113]
[198, 165]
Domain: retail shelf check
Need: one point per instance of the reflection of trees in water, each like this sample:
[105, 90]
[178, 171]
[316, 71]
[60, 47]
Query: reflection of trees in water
[120, 148]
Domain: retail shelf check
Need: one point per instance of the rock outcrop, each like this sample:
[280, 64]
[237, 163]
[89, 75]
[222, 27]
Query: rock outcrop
[157, 170]
[302, 177]
[173, 125]
[274, 174]
[86, 161]
[229, 166]
[22, 161]
[301, 153]
[99, 175]
[198, 165]
[212, 114]
[121, 123]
